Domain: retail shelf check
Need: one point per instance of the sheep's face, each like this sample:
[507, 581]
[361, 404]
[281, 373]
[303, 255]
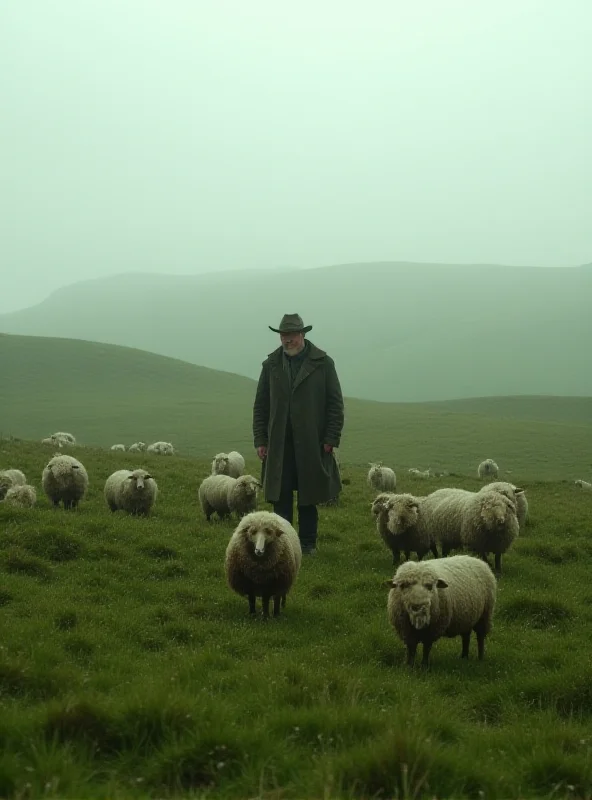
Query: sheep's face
[250, 485]
[262, 537]
[221, 464]
[403, 513]
[495, 509]
[139, 480]
[379, 504]
[418, 591]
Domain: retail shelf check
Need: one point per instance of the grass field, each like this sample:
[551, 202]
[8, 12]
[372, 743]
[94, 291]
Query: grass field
[128, 668]
[105, 394]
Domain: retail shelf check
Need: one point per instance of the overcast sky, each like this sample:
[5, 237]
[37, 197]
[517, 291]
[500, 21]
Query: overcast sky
[180, 136]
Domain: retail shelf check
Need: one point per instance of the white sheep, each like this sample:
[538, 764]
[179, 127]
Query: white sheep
[405, 527]
[488, 469]
[418, 473]
[223, 495]
[514, 493]
[119, 447]
[53, 442]
[134, 491]
[263, 559]
[232, 464]
[65, 480]
[584, 485]
[21, 495]
[10, 478]
[161, 449]
[137, 447]
[380, 478]
[441, 597]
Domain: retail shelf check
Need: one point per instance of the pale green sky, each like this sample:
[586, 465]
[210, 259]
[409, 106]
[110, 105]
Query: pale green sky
[187, 135]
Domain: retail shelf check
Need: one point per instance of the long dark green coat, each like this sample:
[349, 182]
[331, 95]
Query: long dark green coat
[315, 404]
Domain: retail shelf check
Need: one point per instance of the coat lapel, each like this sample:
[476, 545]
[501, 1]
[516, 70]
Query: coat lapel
[306, 369]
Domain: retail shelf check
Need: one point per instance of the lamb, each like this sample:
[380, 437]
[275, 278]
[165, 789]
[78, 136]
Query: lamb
[65, 480]
[263, 559]
[232, 464]
[137, 447]
[442, 597]
[406, 529]
[484, 522]
[584, 485]
[161, 449]
[119, 447]
[419, 473]
[10, 478]
[223, 495]
[514, 493]
[381, 479]
[132, 491]
[22, 495]
[488, 469]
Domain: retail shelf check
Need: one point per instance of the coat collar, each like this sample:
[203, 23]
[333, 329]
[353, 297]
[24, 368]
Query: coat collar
[313, 360]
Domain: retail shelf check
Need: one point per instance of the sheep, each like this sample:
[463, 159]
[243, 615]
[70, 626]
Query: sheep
[484, 522]
[584, 485]
[419, 473]
[381, 479]
[223, 495]
[65, 479]
[119, 447]
[10, 478]
[514, 493]
[137, 447]
[405, 528]
[442, 597]
[53, 442]
[62, 438]
[21, 495]
[232, 464]
[487, 469]
[263, 558]
[161, 449]
[132, 491]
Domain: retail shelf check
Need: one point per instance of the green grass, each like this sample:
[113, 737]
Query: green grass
[129, 669]
[106, 394]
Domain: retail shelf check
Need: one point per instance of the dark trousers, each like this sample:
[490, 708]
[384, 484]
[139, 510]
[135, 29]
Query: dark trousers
[308, 516]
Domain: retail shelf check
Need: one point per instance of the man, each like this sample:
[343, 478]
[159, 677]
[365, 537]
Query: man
[297, 421]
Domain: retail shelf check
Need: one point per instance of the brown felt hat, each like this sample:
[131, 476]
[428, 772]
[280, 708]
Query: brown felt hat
[291, 323]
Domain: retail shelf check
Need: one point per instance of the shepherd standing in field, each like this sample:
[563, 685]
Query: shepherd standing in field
[297, 421]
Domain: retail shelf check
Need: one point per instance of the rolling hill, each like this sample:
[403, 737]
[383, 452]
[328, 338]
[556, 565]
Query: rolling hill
[398, 331]
[106, 394]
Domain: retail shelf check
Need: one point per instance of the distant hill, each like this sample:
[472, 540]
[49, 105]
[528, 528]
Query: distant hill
[106, 394]
[397, 331]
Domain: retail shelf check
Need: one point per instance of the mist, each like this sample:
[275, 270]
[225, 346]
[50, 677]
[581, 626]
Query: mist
[186, 137]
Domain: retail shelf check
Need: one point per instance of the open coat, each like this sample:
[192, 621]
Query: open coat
[315, 406]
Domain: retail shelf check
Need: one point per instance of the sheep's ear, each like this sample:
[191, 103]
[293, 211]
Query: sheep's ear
[278, 531]
[441, 584]
[147, 476]
[518, 490]
[390, 584]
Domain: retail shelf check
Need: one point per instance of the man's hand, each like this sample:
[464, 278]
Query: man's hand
[262, 452]
[328, 448]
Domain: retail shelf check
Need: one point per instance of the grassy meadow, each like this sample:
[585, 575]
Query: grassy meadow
[128, 668]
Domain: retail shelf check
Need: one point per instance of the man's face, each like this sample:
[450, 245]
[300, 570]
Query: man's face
[292, 343]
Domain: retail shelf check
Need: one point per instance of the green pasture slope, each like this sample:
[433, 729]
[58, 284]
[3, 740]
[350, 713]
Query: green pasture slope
[128, 669]
[106, 394]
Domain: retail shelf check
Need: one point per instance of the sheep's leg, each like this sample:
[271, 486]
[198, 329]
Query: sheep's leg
[252, 609]
[283, 601]
[265, 603]
[434, 550]
[498, 563]
[480, 644]
[396, 557]
[408, 555]
[411, 649]
[466, 640]
[427, 646]
[445, 550]
[56, 503]
[112, 507]
[276, 604]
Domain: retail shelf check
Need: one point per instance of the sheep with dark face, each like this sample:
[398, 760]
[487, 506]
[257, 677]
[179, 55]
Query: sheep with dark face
[263, 558]
[442, 597]
[134, 491]
[65, 480]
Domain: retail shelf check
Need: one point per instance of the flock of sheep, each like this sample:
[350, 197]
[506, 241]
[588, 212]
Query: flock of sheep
[444, 596]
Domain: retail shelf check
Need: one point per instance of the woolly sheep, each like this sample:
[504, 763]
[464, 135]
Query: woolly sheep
[443, 597]
[161, 449]
[223, 495]
[23, 496]
[406, 529]
[132, 491]
[63, 438]
[380, 478]
[118, 447]
[420, 473]
[242, 495]
[263, 558]
[584, 485]
[514, 493]
[65, 480]
[232, 464]
[137, 447]
[484, 522]
[53, 442]
[10, 478]
[488, 469]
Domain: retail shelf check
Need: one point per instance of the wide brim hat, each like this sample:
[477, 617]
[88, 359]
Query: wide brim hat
[291, 323]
